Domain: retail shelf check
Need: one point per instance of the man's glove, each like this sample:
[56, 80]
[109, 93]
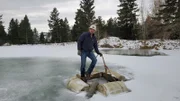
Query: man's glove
[100, 54]
[79, 52]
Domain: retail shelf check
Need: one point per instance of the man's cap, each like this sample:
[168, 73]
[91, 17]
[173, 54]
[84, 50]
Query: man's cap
[93, 27]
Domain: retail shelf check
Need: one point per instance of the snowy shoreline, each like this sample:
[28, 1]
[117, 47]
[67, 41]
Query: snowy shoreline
[115, 42]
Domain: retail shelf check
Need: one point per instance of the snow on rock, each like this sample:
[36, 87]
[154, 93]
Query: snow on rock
[114, 42]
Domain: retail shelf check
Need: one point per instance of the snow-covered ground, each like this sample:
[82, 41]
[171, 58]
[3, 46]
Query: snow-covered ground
[136, 44]
[154, 78]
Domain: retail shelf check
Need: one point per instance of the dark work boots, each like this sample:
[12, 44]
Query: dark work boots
[88, 77]
[84, 79]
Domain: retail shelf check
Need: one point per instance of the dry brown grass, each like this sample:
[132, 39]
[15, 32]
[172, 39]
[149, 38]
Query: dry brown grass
[155, 46]
[146, 47]
[106, 46]
[109, 46]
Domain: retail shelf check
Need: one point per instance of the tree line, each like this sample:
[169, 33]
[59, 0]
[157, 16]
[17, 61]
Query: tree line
[163, 22]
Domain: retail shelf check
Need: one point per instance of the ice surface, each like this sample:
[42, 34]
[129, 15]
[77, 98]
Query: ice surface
[39, 72]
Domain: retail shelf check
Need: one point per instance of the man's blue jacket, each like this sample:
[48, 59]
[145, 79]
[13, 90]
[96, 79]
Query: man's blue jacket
[87, 43]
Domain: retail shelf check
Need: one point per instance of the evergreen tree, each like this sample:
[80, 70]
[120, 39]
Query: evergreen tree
[84, 18]
[175, 32]
[13, 32]
[167, 12]
[78, 27]
[3, 35]
[100, 33]
[168, 15]
[175, 27]
[178, 12]
[127, 19]
[54, 25]
[64, 29]
[116, 30]
[87, 7]
[112, 27]
[35, 36]
[1, 20]
[25, 31]
[47, 37]
[67, 33]
[42, 39]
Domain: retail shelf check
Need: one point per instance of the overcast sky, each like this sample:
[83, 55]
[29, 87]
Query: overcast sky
[38, 11]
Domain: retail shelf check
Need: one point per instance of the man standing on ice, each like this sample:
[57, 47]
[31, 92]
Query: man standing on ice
[86, 43]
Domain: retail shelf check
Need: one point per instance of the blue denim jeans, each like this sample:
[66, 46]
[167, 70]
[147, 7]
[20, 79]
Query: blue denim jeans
[83, 62]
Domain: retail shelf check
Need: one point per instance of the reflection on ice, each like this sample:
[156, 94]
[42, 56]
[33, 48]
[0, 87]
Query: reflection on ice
[132, 52]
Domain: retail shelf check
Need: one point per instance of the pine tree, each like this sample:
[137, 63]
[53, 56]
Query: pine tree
[17, 27]
[25, 31]
[35, 36]
[3, 35]
[178, 17]
[112, 27]
[175, 27]
[177, 14]
[168, 17]
[64, 29]
[127, 19]
[87, 8]
[13, 32]
[100, 33]
[78, 27]
[167, 12]
[54, 25]
[1, 20]
[47, 37]
[67, 30]
[42, 39]
[84, 18]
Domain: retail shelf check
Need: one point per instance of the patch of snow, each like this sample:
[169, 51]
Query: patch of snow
[136, 44]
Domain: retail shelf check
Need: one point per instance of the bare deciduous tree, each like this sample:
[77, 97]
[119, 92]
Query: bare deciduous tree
[143, 12]
[156, 7]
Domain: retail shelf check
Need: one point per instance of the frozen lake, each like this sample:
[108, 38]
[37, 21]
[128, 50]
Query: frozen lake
[36, 79]
[39, 72]
[39, 79]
